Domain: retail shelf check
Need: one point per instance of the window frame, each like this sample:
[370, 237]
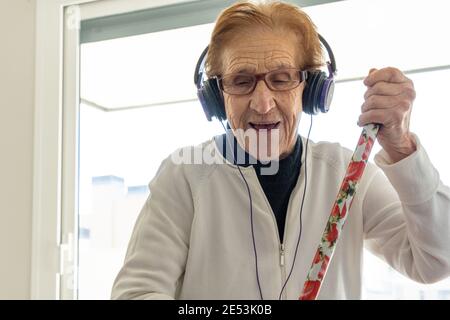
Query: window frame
[48, 145]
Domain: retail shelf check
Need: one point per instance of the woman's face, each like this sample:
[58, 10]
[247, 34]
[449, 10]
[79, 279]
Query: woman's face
[263, 112]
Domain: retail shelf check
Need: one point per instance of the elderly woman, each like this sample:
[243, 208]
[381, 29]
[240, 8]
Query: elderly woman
[224, 230]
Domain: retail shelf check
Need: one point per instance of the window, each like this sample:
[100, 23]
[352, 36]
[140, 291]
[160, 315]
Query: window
[138, 105]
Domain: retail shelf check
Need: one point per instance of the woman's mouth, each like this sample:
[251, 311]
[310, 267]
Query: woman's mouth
[264, 125]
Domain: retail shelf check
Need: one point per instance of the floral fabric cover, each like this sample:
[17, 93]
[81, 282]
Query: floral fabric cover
[338, 214]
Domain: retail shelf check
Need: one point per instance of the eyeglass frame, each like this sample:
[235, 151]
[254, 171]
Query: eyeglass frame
[262, 76]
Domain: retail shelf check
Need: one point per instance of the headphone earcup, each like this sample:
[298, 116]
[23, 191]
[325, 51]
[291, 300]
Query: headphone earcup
[326, 94]
[309, 92]
[318, 93]
[213, 99]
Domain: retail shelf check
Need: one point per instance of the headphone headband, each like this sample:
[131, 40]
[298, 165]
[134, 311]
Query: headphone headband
[330, 53]
[200, 64]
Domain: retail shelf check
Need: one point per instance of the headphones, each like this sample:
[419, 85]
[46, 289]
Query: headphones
[317, 94]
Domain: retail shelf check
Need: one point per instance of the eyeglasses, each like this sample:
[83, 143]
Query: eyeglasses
[276, 80]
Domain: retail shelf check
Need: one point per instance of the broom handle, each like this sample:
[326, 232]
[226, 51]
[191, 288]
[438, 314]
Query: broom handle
[338, 215]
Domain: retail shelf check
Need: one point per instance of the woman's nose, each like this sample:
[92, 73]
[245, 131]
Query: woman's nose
[262, 99]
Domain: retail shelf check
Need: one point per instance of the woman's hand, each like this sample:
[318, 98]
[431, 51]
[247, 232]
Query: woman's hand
[388, 101]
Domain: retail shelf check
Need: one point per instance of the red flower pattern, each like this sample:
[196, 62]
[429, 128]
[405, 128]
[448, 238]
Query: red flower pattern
[332, 234]
[355, 170]
[344, 210]
[335, 212]
[310, 290]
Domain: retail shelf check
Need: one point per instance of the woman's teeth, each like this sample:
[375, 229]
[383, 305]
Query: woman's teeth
[267, 126]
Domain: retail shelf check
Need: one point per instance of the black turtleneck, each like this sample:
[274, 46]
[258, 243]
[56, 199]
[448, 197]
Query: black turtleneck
[277, 187]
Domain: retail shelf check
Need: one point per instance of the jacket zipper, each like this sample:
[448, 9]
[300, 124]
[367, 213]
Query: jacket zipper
[282, 250]
[280, 241]
[281, 246]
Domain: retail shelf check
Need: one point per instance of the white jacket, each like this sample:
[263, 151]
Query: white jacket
[193, 240]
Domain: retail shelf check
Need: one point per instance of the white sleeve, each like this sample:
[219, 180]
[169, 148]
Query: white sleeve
[156, 256]
[407, 217]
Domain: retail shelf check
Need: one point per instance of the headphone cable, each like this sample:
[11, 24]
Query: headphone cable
[251, 213]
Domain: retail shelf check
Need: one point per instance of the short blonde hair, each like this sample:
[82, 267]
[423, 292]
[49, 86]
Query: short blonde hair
[272, 15]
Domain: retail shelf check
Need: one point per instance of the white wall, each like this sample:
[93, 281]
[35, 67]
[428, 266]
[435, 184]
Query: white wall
[17, 53]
